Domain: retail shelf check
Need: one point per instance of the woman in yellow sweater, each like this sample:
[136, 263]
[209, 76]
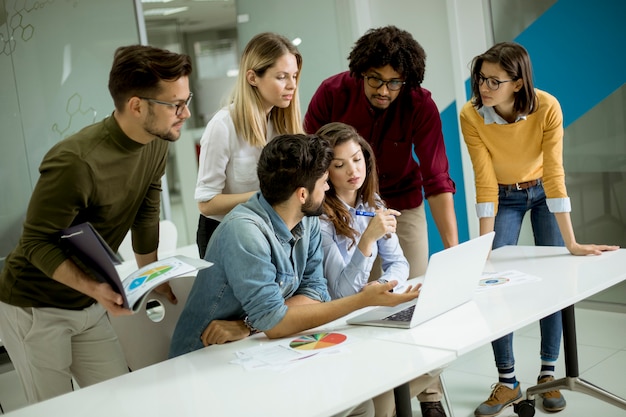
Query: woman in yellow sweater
[514, 135]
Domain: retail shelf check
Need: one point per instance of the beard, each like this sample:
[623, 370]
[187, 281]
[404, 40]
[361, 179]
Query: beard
[311, 208]
[164, 134]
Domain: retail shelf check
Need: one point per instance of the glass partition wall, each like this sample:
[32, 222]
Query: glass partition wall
[55, 58]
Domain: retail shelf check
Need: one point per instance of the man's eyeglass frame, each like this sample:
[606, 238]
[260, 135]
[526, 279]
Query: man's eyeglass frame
[392, 85]
[179, 106]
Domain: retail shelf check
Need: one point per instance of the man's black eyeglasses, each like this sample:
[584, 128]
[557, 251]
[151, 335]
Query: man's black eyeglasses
[179, 106]
[375, 82]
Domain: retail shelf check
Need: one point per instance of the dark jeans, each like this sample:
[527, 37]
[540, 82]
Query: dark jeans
[513, 205]
[206, 227]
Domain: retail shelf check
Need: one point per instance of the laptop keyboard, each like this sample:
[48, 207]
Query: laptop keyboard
[403, 315]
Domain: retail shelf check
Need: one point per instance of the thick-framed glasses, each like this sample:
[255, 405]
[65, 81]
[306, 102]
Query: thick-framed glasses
[375, 82]
[492, 83]
[178, 106]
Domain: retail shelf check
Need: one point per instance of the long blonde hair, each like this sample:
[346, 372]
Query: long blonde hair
[250, 120]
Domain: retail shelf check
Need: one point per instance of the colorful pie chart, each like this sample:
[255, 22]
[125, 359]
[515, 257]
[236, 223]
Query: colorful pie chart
[317, 341]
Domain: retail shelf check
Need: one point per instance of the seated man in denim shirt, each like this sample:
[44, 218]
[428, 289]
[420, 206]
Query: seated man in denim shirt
[267, 255]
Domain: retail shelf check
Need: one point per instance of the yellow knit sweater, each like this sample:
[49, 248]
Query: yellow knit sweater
[523, 151]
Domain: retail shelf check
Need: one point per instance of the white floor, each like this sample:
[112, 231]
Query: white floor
[602, 361]
[601, 339]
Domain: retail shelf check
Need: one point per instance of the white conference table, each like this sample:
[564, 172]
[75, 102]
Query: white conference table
[205, 383]
[379, 359]
[565, 280]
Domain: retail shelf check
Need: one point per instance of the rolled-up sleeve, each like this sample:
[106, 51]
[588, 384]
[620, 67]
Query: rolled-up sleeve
[430, 150]
[214, 158]
[254, 280]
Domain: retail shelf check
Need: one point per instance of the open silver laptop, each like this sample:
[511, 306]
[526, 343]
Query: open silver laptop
[450, 280]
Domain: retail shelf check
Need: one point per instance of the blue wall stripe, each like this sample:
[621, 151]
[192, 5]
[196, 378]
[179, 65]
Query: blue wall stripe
[577, 50]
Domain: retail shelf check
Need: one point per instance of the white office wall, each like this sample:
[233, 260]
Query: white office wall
[322, 30]
[470, 35]
[427, 21]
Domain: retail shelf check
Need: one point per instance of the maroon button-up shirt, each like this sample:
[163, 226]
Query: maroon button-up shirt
[409, 128]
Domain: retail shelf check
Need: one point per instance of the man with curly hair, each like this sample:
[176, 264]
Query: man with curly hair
[382, 98]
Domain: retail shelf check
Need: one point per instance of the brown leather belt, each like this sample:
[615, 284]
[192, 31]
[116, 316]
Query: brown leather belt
[521, 185]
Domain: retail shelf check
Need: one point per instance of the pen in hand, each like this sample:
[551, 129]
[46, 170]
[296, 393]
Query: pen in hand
[370, 214]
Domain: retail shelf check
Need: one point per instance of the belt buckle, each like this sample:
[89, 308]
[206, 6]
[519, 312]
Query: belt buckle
[517, 187]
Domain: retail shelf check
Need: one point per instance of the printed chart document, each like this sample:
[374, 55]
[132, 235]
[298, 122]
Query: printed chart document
[282, 354]
[509, 278]
[90, 252]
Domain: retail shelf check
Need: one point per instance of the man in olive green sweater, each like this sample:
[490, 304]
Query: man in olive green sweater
[53, 319]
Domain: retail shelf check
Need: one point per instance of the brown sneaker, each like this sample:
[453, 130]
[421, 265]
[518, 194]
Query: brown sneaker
[553, 401]
[500, 398]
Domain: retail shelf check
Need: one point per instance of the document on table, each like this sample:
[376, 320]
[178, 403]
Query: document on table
[285, 353]
[490, 280]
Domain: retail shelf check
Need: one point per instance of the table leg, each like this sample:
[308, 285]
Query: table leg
[402, 395]
[572, 381]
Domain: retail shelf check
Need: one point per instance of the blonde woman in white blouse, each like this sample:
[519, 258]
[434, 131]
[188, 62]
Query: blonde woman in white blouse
[263, 104]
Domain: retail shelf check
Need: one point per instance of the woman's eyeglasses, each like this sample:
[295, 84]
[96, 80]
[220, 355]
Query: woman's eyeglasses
[492, 83]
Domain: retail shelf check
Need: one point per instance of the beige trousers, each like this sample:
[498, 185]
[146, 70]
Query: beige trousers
[365, 409]
[50, 346]
[385, 403]
[412, 233]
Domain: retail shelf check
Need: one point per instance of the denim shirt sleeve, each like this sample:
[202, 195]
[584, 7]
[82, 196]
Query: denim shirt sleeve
[313, 284]
[253, 278]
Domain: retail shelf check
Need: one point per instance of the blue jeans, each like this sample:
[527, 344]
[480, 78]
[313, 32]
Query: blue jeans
[512, 206]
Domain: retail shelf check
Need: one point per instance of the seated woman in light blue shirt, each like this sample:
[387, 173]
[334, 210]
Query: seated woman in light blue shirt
[356, 225]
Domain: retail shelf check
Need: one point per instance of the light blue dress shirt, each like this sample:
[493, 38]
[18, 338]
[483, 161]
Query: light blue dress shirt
[347, 269]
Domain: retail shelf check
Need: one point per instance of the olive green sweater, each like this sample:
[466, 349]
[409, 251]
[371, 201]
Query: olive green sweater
[101, 176]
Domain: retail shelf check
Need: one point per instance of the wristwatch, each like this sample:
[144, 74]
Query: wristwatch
[249, 325]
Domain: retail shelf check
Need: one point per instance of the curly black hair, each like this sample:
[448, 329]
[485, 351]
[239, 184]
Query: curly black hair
[389, 46]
